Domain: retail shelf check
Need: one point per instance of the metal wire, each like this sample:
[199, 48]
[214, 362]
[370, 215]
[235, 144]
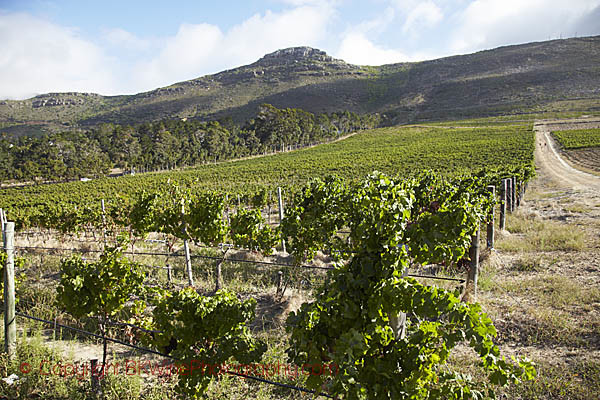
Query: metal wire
[146, 350]
[215, 258]
[156, 254]
[109, 339]
[442, 278]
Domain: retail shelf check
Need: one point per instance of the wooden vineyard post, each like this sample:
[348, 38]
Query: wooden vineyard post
[398, 320]
[94, 375]
[186, 250]
[509, 203]
[514, 193]
[169, 273]
[503, 198]
[473, 275]
[218, 276]
[10, 324]
[188, 262]
[280, 200]
[2, 220]
[279, 282]
[227, 208]
[218, 273]
[521, 192]
[490, 225]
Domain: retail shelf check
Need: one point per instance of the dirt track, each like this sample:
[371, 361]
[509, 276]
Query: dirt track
[550, 162]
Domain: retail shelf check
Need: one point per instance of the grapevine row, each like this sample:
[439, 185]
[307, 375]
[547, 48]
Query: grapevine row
[387, 335]
[453, 152]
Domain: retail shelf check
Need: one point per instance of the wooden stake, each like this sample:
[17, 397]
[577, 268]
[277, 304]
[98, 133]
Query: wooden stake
[509, 197]
[10, 324]
[169, 273]
[470, 294]
[269, 210]
[490, 225]
[188, 262]
[503, 197]
[94, 375]
[186, 249]
[218, 274]
[281, 215]
[521, 192]
[398, 320]
[514, 192]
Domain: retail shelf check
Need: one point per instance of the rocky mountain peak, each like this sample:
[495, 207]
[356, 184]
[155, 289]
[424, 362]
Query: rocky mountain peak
[297, 54]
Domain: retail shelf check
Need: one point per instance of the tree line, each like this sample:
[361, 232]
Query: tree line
[167, 144]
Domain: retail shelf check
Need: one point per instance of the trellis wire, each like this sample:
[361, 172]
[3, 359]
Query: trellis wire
[146, 350]
[215, 258]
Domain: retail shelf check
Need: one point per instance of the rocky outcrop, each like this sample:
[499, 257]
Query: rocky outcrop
[51, 102]
[298, 55]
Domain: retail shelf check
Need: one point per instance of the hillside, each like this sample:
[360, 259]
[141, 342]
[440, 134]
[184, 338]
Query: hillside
[521, 78]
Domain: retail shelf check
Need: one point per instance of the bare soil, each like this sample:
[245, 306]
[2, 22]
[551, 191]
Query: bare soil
[587, 160]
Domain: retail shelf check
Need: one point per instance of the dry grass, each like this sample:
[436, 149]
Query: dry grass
[531, 233]
[551, 290]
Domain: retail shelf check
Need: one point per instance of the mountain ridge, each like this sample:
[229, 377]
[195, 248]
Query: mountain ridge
[512, 78]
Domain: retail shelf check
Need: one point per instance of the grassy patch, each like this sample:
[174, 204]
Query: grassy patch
[577, 208]
[52, 376]
[552, 290]
[535, 234]
[577, 381]
[541, 326]
[528, 262]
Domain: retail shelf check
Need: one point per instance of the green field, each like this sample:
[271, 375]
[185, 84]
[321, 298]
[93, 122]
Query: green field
[578, 138]
[398, 150]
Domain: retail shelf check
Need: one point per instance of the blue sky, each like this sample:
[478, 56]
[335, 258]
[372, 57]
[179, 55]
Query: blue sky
[129, 46]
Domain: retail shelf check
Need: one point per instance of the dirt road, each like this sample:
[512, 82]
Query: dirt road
[549, 161]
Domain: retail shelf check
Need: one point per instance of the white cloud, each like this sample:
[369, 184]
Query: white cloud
[357, 49]
[201, 49]
[297, 3]
[182, 56]
[38, 57]
[424, 15]
[260, 34]
[121, 38]
[491, 23]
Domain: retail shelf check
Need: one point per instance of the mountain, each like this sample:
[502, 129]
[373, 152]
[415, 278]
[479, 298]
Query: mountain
[518, 78]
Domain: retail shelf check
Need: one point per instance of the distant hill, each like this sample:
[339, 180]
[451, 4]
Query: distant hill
[519, 78]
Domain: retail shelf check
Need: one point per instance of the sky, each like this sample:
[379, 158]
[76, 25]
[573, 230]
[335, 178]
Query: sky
[129, 46]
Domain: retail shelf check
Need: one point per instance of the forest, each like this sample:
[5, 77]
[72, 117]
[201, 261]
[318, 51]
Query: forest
[168, 144]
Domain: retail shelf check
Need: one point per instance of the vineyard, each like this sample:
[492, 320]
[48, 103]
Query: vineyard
[364, 260]
[395, 151]
[578, 138]
[368, 319]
